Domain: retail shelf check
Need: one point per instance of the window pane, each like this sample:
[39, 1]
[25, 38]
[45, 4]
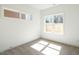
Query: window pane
[11, 14]
[23, 16]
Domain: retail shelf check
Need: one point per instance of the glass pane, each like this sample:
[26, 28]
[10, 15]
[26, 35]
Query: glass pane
[23, 16]
[37, 46]
[49, 51]
[11, 14]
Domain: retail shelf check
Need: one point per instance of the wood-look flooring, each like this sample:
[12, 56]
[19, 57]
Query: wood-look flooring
[25, 49]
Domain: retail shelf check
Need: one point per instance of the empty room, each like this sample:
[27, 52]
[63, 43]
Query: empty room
[39, 29]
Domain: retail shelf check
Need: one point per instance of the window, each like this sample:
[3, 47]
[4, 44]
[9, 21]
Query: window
[16, 14]
[54, 23]
[23, 16]
[47, 48]
[11, 14]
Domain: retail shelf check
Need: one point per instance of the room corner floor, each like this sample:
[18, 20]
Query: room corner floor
[43, 47]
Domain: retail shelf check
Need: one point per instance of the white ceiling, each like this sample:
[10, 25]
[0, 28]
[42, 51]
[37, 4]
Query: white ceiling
[41, 6]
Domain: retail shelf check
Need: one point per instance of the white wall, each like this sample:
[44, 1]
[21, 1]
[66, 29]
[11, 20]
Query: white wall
[14, 32]
[71, 22]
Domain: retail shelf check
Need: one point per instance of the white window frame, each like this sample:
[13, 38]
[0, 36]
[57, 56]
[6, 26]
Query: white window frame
[51, 15]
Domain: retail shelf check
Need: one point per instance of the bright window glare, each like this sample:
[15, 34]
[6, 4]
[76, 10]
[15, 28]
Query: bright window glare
[55, 46]
[37, 46]
[49, 51]
[43, 42]
[26, 16]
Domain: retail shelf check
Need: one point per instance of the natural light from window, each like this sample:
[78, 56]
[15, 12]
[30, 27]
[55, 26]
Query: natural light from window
[43, 42]
[47, 48]
[37, 46]
[54, 46]
[54, 24]
[49, 51]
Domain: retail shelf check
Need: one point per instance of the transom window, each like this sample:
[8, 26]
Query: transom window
[10, 13]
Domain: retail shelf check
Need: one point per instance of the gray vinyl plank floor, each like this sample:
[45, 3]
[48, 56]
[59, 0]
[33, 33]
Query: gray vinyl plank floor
[26, 49]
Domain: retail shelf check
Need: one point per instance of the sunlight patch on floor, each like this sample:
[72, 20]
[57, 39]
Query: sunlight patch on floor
[43, 42]
[49, 51]
[37, 46]
[47, 48]
[54, 46]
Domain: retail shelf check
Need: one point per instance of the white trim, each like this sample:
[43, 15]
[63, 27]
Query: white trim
[54, 14]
